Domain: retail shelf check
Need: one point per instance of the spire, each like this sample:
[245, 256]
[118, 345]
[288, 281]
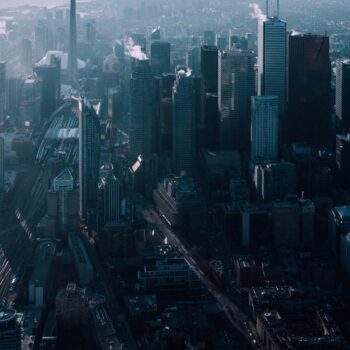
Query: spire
[72, 59]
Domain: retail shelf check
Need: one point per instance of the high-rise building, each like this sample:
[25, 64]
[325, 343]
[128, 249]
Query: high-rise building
[264, 129]
[193, 60]
[26, 55]
[309, 89]
[109, 198]
[342, 92]
[272, 60]
[89, 152]
[156, 34]
[2, 89]
[50, 78]
[72, 54]
[62, 206]
[2, 171]
[41, 39]
[184, 123]
[141, 109]
[236, 87]
[342, 158]
[11, 330]
[91, 31]
[160, 57]
[209, 68]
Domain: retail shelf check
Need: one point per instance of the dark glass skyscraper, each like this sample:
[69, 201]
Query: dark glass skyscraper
[209, 68]
[342, 102]
[309, 91]
[160, 57]
[184, 123]
[89, 152]
[141, 109]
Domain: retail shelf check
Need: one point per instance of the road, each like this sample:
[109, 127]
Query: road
[235, 316]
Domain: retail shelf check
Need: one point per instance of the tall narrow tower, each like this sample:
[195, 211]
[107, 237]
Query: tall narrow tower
[72, 54]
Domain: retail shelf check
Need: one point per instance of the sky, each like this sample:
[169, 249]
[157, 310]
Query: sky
[47, 3]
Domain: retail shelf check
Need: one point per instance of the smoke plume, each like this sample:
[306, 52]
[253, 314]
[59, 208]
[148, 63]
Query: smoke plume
[134, 50]
[257, 12]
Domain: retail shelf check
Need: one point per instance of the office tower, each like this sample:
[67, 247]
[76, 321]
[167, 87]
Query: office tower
[2, 165]
[50, 78]
[184, 123]
[293, 223]
[222, 42]
[274, 181]
[342, 157]
[193, 60]
[2, 90]
[141, 109]
[62, 206]
[41, 39]
[11, 330]
[109, 199]
[209, 38]
[264, 129]
[155, 35]
[236, 87]
[342, 93]
[26, 55]
[309, 89]
[272, 69]
[72, 54]
[13, 95]
[209, 68]
[195, 41]
[89, 152]
[160, 57]
[91, 32]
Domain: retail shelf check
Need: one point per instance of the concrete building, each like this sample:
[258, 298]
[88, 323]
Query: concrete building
[272, 60]
[11, 330]
[62, 206]
[169, 275]
[236, 86]
[247, 273]
[193, 60]
[293, 223]
[72, 308]
[264, 129]
[2, 171]
[184, 124]
[72, 54]
[274, 181]
[178, 201]
[338, 226]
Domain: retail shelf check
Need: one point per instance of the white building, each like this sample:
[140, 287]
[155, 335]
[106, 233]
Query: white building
[272, 61]
[264, 129]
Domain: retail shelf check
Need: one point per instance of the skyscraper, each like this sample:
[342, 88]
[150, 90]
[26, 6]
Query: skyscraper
[141, 109]
[309, 90]
[2, 165]
[50, 78]
[89, 152]
[209, 68]
[160, 57]
[2, 89]
[109, 200]
[72, 54]
[236, 86]
[26, 55]
[342, 91]
[272, 60]
[193, 60]
[184, 123]
[264, 129]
